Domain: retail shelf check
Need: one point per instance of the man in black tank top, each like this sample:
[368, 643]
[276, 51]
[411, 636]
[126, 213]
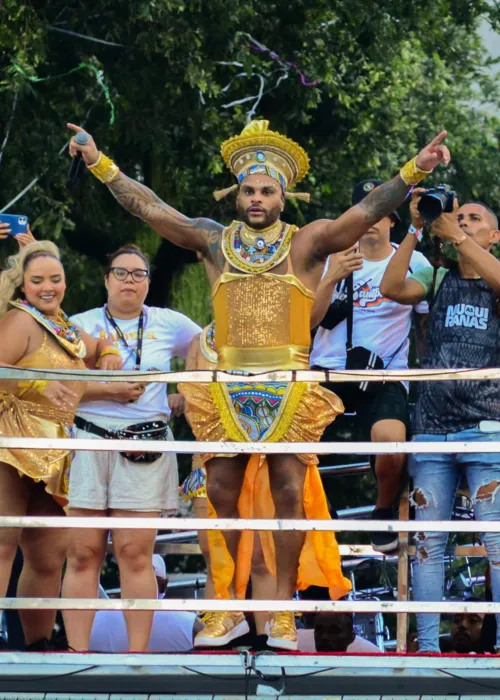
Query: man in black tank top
[463, 332]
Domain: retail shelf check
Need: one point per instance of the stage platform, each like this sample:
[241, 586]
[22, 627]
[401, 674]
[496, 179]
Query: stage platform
[210, 676]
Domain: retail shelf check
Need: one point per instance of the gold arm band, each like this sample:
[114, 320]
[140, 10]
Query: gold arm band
[38, 385]
[107, 351]
[411, 174]
[104, 169]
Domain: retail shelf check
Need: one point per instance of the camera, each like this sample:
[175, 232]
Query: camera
[436, 201]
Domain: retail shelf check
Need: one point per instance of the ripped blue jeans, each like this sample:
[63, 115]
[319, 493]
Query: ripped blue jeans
[436, 478]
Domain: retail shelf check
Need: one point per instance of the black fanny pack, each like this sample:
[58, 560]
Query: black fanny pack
[151, 430]
[359, 357]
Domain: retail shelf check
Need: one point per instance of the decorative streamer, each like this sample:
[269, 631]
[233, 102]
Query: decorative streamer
[260, 48]
[60, 152]
[283, 75]
[285, 65]
[51, 28]
[98, 74]
[9, 124]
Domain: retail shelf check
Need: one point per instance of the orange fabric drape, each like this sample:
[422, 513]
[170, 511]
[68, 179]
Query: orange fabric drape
[319, 563]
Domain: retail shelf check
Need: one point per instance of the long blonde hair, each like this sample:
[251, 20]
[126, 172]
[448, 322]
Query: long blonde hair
[11, 279]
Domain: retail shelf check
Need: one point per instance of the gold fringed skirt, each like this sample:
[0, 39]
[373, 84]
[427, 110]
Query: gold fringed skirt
[270, 412]
[239, 412]
[18, 418]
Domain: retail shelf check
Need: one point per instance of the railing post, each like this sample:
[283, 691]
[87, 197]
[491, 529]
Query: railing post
[402, 618]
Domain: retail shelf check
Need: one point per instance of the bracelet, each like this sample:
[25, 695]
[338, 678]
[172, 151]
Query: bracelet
[104, 169]
[38, 385]
[110, 350]
[411, 174]
[417, 232]
[460, 240]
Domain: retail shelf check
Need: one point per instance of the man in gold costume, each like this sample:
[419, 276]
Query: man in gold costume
[264, 274]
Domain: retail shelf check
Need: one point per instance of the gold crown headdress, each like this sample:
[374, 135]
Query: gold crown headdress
[259, 150]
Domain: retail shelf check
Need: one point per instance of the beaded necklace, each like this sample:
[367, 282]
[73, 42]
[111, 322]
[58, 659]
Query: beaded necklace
[68, 335]
[254, 251]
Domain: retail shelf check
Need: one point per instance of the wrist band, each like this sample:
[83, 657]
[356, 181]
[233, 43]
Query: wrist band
[411, 174]
[460, 240]
[107, 351]
[104, 169]
[417, 232]
[38, 385]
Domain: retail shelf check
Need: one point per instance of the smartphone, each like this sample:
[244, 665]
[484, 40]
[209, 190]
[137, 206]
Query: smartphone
[18, 223]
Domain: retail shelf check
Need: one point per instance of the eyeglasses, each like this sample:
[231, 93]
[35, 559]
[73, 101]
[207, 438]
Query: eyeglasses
[121, 274]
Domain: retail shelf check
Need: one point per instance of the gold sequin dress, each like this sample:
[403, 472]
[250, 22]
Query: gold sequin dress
[262, 323]
[27, 413]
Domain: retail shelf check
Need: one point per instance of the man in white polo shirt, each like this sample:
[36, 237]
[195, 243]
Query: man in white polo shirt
[382, 328]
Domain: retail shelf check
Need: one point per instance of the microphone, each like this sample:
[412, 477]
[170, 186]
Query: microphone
[75, 168]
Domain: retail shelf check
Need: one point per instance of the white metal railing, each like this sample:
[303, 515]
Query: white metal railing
[273, 525]
[301, 375]
[402, 606]
[191, 447]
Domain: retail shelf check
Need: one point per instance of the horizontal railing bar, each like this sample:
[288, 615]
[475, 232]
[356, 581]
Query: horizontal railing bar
[191, 447]
[197, 584]
[194, 605]
[355, 513]
[295, 525]
[345, 550]
[177, 537]
[344, 469]
[205, 376]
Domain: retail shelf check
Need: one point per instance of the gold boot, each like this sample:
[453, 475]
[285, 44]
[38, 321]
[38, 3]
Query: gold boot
[281, 631]
[221, 628]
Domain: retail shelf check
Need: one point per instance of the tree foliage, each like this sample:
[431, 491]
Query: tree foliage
[386, 76]
[361, 85]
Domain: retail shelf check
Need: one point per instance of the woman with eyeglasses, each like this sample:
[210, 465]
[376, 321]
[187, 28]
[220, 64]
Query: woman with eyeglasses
[37, 334]
[123, 484]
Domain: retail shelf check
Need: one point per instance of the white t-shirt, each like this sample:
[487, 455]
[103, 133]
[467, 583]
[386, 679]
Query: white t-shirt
[379, 324]
[171, 631]
[306, 642]
[167, 333]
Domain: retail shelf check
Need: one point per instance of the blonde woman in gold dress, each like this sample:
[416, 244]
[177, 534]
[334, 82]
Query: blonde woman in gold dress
[38, 335]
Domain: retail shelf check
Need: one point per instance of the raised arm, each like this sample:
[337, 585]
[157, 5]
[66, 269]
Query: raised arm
[199, 234]
[484, 263]
[395, 284]
[340, 266]
[324, 237]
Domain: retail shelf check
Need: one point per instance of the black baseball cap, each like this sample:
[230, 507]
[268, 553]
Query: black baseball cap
[361, 189]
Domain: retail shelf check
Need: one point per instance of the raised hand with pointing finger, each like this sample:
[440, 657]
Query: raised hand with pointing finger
[434, 154]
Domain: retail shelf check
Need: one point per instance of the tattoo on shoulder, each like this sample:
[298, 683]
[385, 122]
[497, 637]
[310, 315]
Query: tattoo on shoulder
[384, 199]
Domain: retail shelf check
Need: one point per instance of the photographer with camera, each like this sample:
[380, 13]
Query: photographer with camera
[360, 328]
[463, 332]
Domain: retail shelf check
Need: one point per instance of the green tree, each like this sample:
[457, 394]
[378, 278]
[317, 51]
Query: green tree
[382, 77]
[361, 85]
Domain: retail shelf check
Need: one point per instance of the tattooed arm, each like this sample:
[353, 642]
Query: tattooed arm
[200, 234]
[324, 237]
[197, 234]
[327, 236]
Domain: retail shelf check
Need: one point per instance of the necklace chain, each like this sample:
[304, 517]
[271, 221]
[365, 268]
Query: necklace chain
[269, 235]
